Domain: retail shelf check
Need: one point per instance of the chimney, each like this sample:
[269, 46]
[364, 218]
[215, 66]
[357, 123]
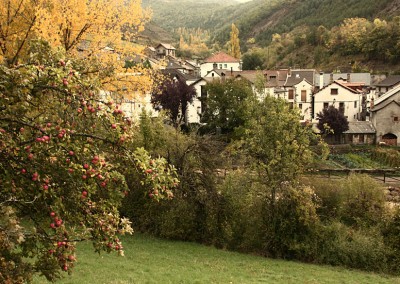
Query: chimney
[321, 80]
[348, 77]
[331, 78]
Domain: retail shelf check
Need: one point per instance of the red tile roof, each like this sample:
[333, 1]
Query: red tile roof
[221, 57]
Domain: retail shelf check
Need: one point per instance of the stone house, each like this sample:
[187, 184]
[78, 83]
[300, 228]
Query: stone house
[385, 116]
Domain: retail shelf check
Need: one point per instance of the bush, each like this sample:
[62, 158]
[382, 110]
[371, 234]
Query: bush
[361, 249]
[357, 200]
[292, 224]
[363, 201]
[390, 157]
[391, 235]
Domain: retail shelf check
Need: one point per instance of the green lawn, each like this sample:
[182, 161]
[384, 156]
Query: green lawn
[150, 260]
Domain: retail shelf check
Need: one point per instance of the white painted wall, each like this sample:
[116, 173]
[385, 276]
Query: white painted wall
[352, 101]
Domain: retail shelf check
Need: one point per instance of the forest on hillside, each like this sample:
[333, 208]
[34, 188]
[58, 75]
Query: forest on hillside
[285, 32]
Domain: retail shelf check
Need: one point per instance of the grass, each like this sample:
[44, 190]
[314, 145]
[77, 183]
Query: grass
[150, 260]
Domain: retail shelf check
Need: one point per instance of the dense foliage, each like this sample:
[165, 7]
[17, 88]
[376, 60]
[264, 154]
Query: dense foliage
[65, 146]
[332, 121]
[173, 95]
[226, 105]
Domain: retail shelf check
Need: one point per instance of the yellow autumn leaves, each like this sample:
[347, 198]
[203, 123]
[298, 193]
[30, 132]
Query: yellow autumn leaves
[100, 29]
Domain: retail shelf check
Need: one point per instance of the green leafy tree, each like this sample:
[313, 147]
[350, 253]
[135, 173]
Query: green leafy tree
[226, 105]
[252, 61]
[278, 149]
[64, 150]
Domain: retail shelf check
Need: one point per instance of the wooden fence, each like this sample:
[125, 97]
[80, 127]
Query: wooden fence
[385, 175]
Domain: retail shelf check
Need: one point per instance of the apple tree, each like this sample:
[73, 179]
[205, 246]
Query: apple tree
[64, 150]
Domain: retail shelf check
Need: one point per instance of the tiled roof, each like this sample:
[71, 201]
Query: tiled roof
[383, 105]
[250, 75]
[387, 95]
[296, 76]
[354, 77]
[221, 57]
[166, 46]
[389, 81]
[360, 127]
[276, 78]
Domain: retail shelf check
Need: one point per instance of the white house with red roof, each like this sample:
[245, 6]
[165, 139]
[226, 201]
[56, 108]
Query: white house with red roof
[220, 60]
[346, 99]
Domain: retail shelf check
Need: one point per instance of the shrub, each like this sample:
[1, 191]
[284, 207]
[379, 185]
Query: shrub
[357, 200]
[345, 246]
[391, 235]
[292, 224]
[363, 201]
[390, 157]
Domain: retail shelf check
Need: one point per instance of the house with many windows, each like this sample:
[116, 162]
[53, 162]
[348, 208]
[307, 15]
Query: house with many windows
[347, 100]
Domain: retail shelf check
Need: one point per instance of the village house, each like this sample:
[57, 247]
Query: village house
[347, 100]
[164, 49]
[220, 61]
[387, 84]
[275, 82]
[385, 116]
[360, 133]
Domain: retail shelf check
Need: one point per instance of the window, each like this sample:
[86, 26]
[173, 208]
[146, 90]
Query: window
[396, 119]
[355, 104]
[220, 66]
[300, 106]
[334, 91]
[225, 66]
[326, 105]
[290, 105]
[303, 95]
[341, 107]
[291, 94]
[272, 77]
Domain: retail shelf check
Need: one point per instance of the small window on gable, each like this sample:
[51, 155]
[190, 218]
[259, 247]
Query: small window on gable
[334, 91]
[355, 104]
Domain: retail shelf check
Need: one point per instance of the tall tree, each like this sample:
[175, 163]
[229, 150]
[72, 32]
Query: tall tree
[226, 105]
[277, 148]
[234, 43]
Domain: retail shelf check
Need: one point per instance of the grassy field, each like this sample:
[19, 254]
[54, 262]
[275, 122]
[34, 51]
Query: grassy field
[150, 260]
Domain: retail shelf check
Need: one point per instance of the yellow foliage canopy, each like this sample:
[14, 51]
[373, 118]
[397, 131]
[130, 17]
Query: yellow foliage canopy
[96, 29]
